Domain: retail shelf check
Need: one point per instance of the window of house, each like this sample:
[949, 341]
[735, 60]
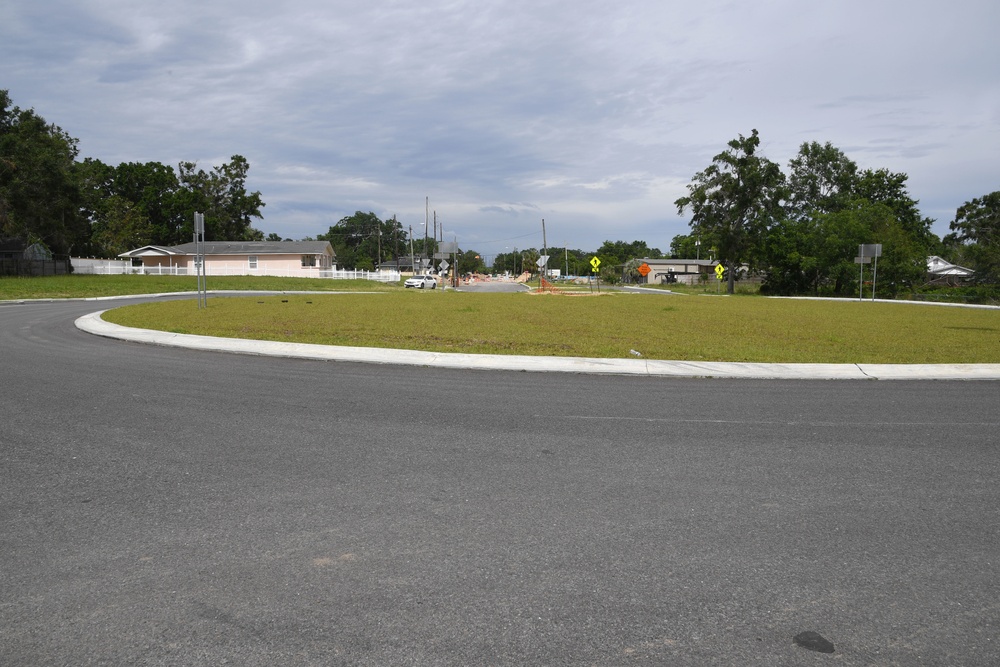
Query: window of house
[308, 260]
[253, 261]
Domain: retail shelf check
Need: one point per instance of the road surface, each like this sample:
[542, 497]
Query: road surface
[164, 506]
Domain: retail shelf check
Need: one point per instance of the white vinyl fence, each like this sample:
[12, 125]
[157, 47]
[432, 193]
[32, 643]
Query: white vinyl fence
[120, 267]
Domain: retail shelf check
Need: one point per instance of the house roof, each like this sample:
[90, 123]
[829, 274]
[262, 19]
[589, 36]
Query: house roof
[668, 260]
[938, 266]
[238, 248]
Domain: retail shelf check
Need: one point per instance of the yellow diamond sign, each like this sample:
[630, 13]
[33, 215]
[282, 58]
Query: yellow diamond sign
[595, 262]
[719, 270]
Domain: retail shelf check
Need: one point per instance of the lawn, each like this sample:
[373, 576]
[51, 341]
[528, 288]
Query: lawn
[611, 325]
[83, 286]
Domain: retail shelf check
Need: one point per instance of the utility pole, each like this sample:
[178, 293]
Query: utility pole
[545, 252]
[412, 268]
[395, 240]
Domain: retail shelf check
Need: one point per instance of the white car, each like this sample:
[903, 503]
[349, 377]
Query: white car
[421, 282]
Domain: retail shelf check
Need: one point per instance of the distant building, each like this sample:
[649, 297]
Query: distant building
[686, 271]
[943, 272]
[301, 259]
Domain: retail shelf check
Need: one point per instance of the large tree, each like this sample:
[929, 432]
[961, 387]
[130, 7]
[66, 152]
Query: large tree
[363, 241]
[977, 228]
[735, 200]
[39, 197]
[120, 227]
[821, 180]
[221, 195]
[881, 186]
[151, 192]
[815, 254]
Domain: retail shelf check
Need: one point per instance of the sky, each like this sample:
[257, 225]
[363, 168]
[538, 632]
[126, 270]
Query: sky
[494, 115]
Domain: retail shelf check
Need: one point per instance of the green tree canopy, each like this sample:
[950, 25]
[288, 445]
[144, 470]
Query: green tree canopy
[39, 195]
[151, 191]
[821, 180]
[120, 227]
[363, 241]
[977, 228]
[736, 200]
[625, 251]
[881, 186]
[222, 196]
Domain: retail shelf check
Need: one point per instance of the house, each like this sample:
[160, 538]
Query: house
[688, 271]
[940, 271]
[300, 259]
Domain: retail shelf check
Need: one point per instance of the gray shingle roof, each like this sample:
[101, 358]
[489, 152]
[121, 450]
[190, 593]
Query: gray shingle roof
[257, 248]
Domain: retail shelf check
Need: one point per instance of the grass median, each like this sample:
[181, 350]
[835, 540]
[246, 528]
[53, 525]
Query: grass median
[90, 286]
[615, 325]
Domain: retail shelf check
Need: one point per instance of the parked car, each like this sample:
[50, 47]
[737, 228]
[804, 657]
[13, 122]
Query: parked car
[421, 282]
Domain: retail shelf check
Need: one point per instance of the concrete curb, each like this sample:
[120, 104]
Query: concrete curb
[92, 323]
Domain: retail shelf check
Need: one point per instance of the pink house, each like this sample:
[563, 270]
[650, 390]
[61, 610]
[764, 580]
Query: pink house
[300, 259]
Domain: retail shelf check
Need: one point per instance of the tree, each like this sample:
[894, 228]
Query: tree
[832, 208]
[821, 180]
[39, 196]
[815, 254]
[882, 186]
[470, 262]
[151, 191]
[625, 251]
[736, 200]
[222, 197]
[363, 241]
[977, 228]
[691, 246]
[119, 227]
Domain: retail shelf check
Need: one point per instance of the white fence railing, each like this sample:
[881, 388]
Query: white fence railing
[89, 266]
[116, 267]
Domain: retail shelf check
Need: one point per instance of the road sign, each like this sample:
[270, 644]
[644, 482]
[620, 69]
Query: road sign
[644, 269]
[542, 261]
[870, 250]
[444, 265]
[862, 260]
[595, 262]
[720, 271]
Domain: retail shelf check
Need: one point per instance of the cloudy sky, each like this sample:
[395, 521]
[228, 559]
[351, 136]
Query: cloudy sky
[589, 114]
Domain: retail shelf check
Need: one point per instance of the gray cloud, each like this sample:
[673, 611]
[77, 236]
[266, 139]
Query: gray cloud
[597, 113]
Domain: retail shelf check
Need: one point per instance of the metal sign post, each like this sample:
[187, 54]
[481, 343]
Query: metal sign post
[594, 263]
[199, 259]
[541, 263]
[866, 252]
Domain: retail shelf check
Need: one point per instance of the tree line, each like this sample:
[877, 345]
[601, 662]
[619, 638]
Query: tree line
[801, 231]
[88, 208]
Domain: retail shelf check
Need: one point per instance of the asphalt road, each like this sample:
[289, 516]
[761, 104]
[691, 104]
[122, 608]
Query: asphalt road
[170, 507]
